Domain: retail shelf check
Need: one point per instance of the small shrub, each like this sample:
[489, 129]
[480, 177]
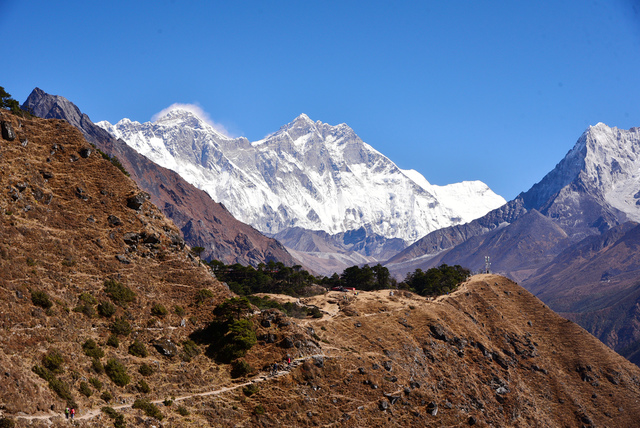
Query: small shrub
[106, 396]
[53, 360]
[117, 372]
[158, 310]
[113, 341]
[106, 309]
[97, 384]
[7, 423]
[249, 390]
[120, 327]
[138, 349]
[91, 349]
[240, 368]
[85, 389]
[146, 370]
[119, 421]
[30, 262]
[109, 411]
[86, 309]
[179, 310]
[167, 402]
[259, 410]
[97, 366]
[149, 408]
[40, 298]
[87, 298]
[182, 411]
[143, 387]
[118, 293]
[203, 295]
[189, 350]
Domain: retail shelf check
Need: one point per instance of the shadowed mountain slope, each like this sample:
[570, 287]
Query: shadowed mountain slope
[203, 222]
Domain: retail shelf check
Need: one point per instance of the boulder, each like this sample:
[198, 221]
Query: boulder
[114, 221]
[85, 152]
[7, 131]
[166, 347]
[135, 202]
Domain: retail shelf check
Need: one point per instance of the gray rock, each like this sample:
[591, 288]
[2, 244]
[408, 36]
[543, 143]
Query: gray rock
[114, 221]
[131, 238]
[122, 259]
[136, 201]
[7, 131]
[85, 152]
[166, 347]
[384, 405]
[432, 408]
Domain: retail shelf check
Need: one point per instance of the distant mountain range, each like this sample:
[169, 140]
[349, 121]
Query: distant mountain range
[307, 175]
[571, 238]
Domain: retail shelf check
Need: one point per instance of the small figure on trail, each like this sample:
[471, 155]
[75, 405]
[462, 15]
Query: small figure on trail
[73, 412]
[66, 412]
[274, 371]
[288, 359]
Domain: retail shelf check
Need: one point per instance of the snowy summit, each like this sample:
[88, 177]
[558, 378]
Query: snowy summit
[307, 174]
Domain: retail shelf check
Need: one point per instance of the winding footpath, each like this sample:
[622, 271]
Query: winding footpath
[260, 377]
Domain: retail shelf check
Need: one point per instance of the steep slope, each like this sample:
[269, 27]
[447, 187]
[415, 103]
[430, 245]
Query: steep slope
[203, 222]
[308, 174]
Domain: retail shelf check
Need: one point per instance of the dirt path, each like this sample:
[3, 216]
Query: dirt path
[260, 377]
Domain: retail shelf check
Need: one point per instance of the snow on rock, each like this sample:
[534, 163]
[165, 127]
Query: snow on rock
[307, 174]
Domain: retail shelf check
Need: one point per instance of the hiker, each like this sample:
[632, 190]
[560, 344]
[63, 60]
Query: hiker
[289, 359]
[275, 369]
[73, 412]
[66, 412]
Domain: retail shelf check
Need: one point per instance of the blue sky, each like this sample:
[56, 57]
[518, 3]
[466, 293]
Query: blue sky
[496, 91]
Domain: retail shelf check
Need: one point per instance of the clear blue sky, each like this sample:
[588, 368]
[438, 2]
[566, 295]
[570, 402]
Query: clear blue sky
[496, 91]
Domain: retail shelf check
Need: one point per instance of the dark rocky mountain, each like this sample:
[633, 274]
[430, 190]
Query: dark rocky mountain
[203, 222]
[545, 237]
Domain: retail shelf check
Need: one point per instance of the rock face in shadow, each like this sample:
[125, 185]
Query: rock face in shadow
[203, 222]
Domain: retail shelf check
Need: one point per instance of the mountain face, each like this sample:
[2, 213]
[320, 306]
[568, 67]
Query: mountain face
[308, 175]
[203, 222]
[568, 239]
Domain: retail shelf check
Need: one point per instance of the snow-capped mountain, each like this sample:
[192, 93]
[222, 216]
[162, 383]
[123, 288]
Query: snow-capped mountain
[307, 174]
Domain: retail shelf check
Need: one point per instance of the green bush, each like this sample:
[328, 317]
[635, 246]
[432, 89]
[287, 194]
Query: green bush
[41, 298]
[203, 295]
[113, 341]
[97, 366]
[259, 410]
[53, 361]
[117, 372]
[179, 310]
[138, 349]
[146, 370]
[85, 389]
[143, 386]
[119, 421]
[182, 411]
[106, 396]
[149, 408]
[118, 293]
[56, 385]
[87, 298]
[239, 339]
[109, 411]
[189, 350]
[106, 309]
[167, 402]
[436, 281]
[91, 349]
[159, 310]
[86, 309]
[120, 327]
[240, 368]
[249, 390]
[97, 384]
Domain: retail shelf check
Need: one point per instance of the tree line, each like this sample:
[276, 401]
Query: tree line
[275, 277]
